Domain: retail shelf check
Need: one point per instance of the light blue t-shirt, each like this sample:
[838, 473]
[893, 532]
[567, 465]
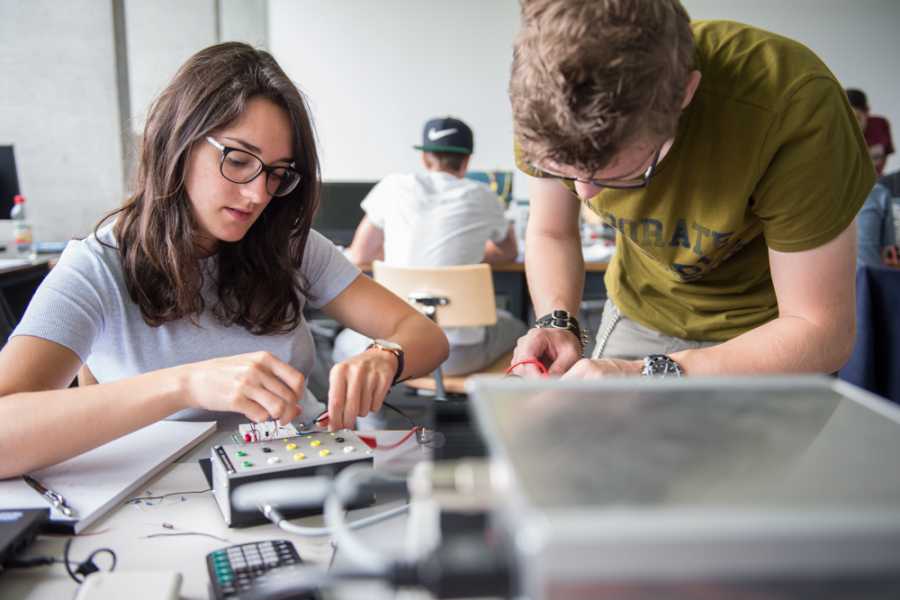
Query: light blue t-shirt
[875, 226]
[83, 304]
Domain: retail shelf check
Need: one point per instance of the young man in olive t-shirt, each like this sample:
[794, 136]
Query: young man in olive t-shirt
[729, 162]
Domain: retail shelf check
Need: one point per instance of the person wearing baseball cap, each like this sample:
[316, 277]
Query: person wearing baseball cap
[447, 135]
[439, 218]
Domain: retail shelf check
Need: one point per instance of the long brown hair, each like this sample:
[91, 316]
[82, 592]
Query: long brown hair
[258, 277]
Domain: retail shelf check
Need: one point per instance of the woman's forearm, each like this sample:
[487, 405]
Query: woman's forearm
[38, 429]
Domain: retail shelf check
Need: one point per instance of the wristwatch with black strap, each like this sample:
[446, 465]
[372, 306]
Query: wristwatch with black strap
[660, 365]
[395, 349]
[563, 319]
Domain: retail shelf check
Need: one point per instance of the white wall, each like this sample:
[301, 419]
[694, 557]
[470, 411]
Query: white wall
[60, 104]
[59, 107]
[160, 36]
[858, 39]
[244, 21]
[376, 71]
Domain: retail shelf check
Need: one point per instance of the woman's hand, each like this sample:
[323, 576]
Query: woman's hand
[257, 384]
[358, 386]
[558, 349]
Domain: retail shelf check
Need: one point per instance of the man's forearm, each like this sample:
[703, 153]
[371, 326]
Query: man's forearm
[555, 270]
[785, 345]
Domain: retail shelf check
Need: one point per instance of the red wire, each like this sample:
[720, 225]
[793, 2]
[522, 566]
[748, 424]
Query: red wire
[529, 361]
[400, 441]
[366, 439]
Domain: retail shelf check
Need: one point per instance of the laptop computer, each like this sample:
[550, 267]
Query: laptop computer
[723, 487]
[18, 527]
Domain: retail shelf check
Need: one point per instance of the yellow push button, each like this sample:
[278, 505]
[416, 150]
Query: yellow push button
[315, 443]
[299, 456]
[291, 446]
[324, 452]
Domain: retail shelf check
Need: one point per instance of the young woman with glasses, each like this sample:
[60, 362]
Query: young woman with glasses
[189, 298]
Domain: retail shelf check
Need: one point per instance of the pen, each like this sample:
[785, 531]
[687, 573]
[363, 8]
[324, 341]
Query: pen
[54, 498]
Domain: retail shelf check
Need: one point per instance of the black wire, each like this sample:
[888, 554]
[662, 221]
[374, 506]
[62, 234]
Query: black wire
[401, 413]
[387, 404]
[88, 561]
[424, 437]
[66, 561]
[112, 556]
[28, 563]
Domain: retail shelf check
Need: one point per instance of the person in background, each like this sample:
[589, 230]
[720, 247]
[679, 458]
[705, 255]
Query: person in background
[876, 229]
[730, 163]
[190, 302]
[877, 130]
[434, 219]
[892, 182]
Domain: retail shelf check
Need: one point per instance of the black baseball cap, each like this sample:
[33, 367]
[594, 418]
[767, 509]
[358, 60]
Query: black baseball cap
[446, 134]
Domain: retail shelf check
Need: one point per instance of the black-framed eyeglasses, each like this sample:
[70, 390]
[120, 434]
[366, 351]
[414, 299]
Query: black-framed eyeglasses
[240, 166]
[614, 184]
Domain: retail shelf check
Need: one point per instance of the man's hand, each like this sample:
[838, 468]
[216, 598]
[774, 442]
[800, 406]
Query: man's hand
[588, 368]
[558, 349]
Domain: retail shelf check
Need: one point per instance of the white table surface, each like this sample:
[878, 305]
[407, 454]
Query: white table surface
[126, 529]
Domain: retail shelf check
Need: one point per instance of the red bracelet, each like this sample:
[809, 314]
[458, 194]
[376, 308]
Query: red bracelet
[529, 361]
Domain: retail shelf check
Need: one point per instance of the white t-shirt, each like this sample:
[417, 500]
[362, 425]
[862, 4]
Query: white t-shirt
[83, 304]
[436, 219]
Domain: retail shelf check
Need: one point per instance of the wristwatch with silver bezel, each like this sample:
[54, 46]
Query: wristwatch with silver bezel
[395, 349]
[660, 365]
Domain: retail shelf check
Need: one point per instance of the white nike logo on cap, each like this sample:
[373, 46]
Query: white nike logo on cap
[434, 134]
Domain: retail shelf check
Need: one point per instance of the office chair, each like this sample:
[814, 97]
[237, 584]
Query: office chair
[458, 296]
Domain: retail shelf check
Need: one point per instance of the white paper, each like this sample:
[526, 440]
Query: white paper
[96, 481]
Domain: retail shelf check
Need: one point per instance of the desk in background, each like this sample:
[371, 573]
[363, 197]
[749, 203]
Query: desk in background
[511, 287]
[19, 278]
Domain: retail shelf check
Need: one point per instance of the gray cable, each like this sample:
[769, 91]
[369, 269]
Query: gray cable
[360, 554]
[282, 523]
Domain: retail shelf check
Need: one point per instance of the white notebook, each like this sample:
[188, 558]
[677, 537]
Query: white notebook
[96, 481]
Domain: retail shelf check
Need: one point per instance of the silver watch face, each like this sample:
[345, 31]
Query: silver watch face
[388, 345]
[660, 364]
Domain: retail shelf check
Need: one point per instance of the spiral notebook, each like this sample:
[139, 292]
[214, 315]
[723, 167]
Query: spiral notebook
[95, 482]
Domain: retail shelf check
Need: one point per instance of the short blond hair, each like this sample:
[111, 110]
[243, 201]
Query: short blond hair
[590, 76]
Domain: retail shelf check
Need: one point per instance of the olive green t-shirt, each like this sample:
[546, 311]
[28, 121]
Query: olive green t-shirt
[767, 155]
